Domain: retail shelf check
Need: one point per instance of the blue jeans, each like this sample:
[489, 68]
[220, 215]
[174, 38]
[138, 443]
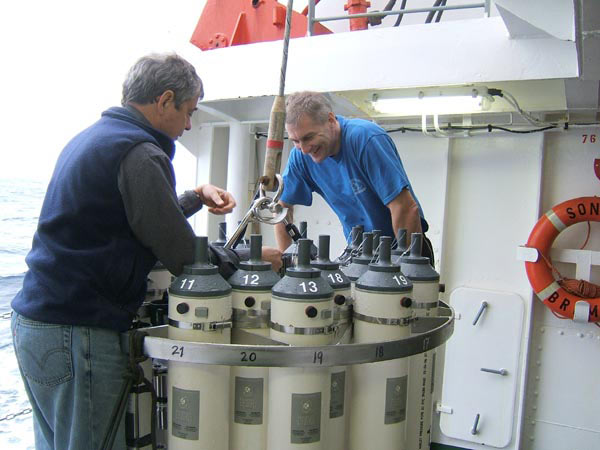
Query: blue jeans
[73, 376]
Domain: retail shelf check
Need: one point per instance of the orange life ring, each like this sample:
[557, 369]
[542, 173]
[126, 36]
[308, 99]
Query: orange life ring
[542, 236]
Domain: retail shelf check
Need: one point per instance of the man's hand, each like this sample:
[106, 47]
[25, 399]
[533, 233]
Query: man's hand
[218, 200]
[272, 255]
[282, 237]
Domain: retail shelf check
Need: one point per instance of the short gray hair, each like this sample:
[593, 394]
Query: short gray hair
[154, 74]
[314, 104]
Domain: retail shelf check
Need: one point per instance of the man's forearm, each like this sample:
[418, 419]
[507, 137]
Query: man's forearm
[405, 214]
[282, 237]
[190, 203]
[411, 221]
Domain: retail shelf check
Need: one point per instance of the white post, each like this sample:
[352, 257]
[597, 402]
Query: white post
[200, 142]
[241, 156]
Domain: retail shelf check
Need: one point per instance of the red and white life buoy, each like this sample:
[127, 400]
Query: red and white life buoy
[542, 236]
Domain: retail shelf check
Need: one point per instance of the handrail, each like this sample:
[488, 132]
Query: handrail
[312, 19]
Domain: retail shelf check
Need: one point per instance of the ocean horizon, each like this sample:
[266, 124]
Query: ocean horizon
[20, 204]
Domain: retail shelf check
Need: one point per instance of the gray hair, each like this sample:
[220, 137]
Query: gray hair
[313, 104]
[154, 74]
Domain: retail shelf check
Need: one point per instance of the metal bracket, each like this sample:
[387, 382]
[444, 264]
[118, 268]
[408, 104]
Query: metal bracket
[527, 254]
[288, 329]
[443, 409]
[582, 312]
[401, 322]
[200, 326]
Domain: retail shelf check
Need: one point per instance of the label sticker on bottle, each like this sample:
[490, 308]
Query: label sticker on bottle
[248, 401]
[396, 393]
[186, 413]
[306, 418]
[338, 388]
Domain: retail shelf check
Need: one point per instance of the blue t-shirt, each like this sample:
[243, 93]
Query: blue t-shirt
[357, 183]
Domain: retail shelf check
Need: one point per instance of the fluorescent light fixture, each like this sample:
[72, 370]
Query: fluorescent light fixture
[433, 101]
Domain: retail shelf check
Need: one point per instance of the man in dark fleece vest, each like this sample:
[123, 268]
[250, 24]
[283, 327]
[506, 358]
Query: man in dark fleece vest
[109, 213]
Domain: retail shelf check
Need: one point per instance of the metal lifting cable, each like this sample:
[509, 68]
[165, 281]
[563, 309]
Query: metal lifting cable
[271, 180]
[286, 43]
[277, 119]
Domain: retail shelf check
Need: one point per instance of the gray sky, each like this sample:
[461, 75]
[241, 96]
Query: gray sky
[64, 62]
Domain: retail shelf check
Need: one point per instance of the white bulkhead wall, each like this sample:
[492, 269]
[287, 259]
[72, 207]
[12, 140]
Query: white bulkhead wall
[482, 196]
[561, 410]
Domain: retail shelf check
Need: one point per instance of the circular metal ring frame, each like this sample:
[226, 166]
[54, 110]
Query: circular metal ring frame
[438, 331]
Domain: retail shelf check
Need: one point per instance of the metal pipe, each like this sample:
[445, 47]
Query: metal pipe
[488, 7]
[404, 11]
[311, 18]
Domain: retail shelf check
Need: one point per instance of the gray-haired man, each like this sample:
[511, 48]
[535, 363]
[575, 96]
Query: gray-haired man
[353, 164]
[109, 213]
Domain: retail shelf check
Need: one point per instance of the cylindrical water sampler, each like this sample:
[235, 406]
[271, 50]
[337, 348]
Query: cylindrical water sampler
[157, 296]
[153, 311]
[222, 239]
[291, 253]
[376, 240]
[301, 314]
[159, 381]
[251, 297]
[199, 311]
[360, 264]
[426, 284]
[382, 312]
[159, 280]
[340, 389]
[401, 247]
[342, 295]
[352, 248]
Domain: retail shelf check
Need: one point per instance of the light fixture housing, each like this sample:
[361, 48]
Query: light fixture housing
[430, 101]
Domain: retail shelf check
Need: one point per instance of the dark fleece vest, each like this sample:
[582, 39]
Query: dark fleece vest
[86, 267]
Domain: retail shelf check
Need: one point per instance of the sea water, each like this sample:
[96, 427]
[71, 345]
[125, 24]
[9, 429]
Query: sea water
[20, 203]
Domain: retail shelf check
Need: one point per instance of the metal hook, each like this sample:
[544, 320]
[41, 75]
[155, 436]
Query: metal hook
[278, 192]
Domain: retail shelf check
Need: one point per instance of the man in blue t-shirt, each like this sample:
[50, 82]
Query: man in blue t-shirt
[353, 164]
